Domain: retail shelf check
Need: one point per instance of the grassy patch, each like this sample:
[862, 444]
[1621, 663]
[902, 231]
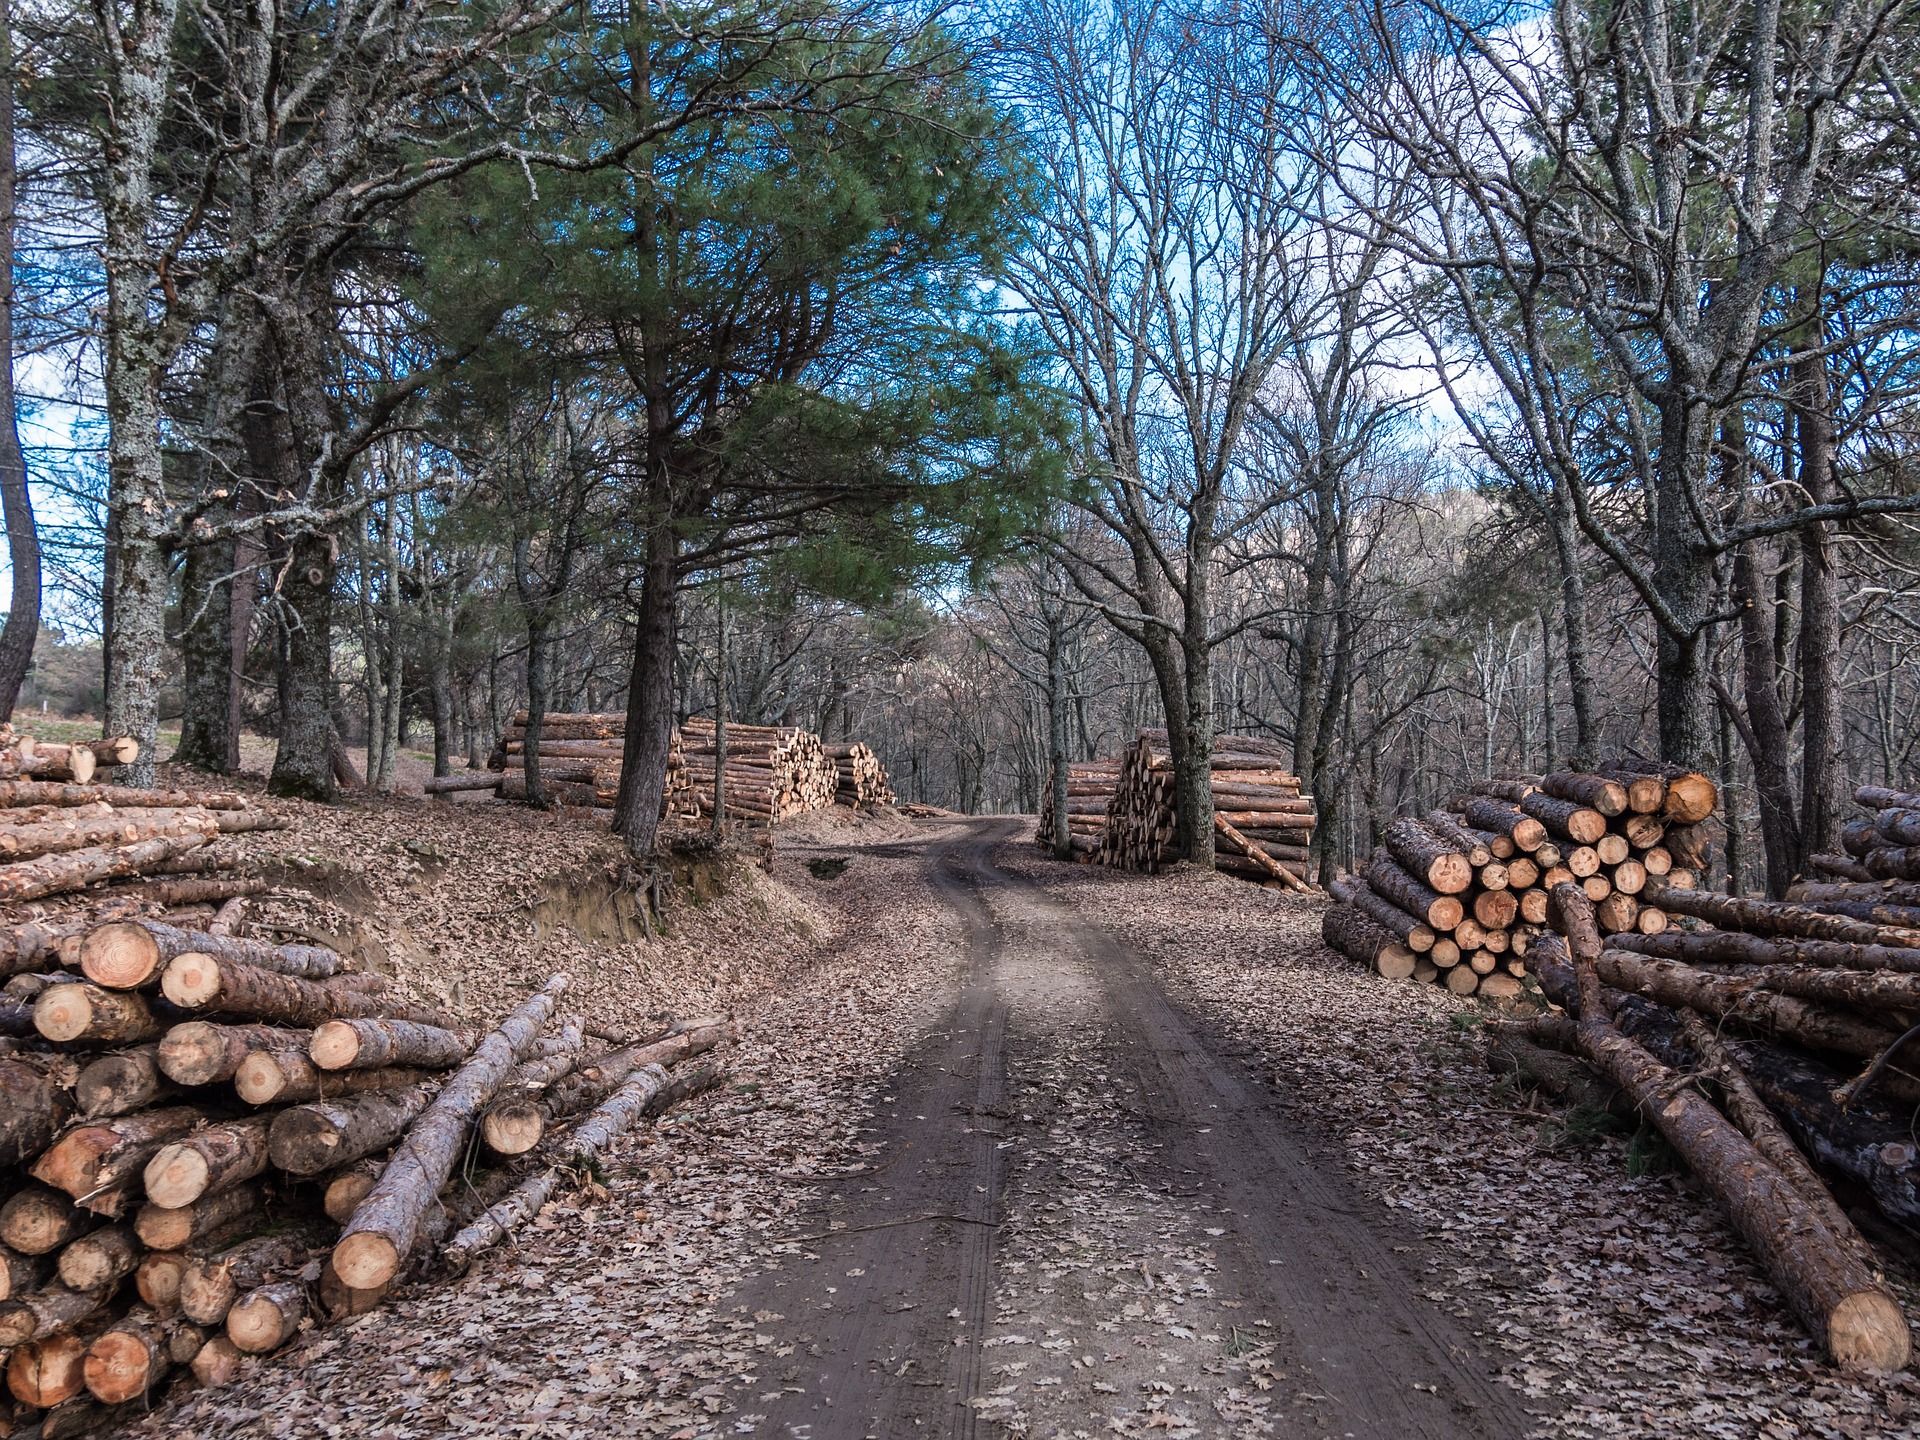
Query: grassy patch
[830, 867]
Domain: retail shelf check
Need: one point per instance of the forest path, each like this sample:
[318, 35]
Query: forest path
[1083, 1218]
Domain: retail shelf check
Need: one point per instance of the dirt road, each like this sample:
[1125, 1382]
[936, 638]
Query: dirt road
[1084, 1217]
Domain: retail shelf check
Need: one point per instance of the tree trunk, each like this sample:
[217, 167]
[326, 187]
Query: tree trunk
[1821, 782]
[649, 726]
[303, 766]
[16, 500]
[1062, 838]
[1769, 746]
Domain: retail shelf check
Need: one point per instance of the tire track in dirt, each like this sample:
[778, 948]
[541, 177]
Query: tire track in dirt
[883, 1313]
[885, 1307]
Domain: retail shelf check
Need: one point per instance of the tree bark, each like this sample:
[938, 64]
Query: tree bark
[97, 1163]
[22, 627]
[377, 1044]
[163, 1227]
[324, 1134]
[650, 688]
[219, 1157]
[127, 954]
[376, 1244]
[202, 1052]
[209, 985]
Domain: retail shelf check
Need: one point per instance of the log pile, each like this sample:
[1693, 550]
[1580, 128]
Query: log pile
[1122, 811]
[861, 780]
[1091, 785]
[1882, 845]
[773, 771]
[1767, 1041]
[1458, 896]
[152, 848]
[211, 1140]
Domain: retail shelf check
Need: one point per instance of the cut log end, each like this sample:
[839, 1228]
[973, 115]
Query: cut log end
[119, 956]
[261, 1078]
[119, 1367]
[513, 1128]
[63, 1013]
[217, 1362]
[335, 1045]
[1867, 1332]
[365, 1261]
[177, 1176]
[191, 980]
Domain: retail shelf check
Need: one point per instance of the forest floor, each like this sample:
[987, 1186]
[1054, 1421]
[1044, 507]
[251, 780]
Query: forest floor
[1016, 1148]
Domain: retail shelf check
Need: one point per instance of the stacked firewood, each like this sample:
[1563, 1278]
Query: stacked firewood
[1882, 845]
[1768, 1041]
[1457, 896]
[773, 771]
[58, 836]
[1091, 786]
[221, 1139]
[1122, 812]
[860, 779]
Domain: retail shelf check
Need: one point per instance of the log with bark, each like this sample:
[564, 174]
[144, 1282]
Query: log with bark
[127, 954]
[380, 1237]
[317, 1136]
[211, 1285]
[98, 1163]
[383, 1043]
[132, 1355]
[644, 1092]
[205, 983]
[1821, 1274]
[212, 1159]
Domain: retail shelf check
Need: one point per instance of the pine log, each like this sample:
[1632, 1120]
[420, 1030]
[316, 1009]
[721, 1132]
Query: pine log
[379, 1239]
[47, 1372]
[1618, 913]
[211, 1286]
[76, 832]
[1486, 813]
[1577, 823]
[217, 1363]
[121, 1082]
[1473, 844]
[288, 1077]
[1894, 921]
[1894, 862]
[518, 1120]
[1674, 983]
[267, 1317]
[1254, 852]
[1496, 909]
[96, 1163]
[127, 954]
[36, 1220]
[34, 1104]
[83, 1014]
[1428, 856]
[1842, 1303]
[1522, 873]
[208, 1161]
[48, 1311]
[162, 1227]
[512, 1123]
[1596, 792]
[1510, 789]
[134, 1354]
[157, 1278]
[348, 1188]
[1870, 892]
[76, 869]
[1881, 797]
[15, 793]
[379, 1044]
[324, 1134]
[100, 1258]
[22, 1274]
[646, 1091]
[1899, 826]
[1417, 935]
[1730, 947]
[462, 780]
[1353, 934]
[1384, 874]
[209, 984]
[201, 1052]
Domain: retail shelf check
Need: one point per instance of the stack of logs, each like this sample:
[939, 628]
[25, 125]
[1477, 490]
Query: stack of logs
[1758, 1036]
[861, 780]
[1458, 896]
[1122, 812]
[58, 836]
[221, 1139]
[773, 771]
[1883, 845]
